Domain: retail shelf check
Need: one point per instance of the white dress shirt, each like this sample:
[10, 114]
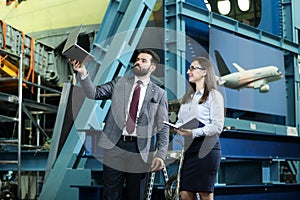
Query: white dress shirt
[143, 86]
[210, 113]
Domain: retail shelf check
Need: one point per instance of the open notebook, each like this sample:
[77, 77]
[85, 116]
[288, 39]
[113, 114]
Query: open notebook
[191, 124]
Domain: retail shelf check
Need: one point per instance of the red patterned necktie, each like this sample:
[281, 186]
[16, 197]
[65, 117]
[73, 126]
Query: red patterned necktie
[131, 119]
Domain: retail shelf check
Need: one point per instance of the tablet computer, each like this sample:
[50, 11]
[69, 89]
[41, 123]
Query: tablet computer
[73, 51]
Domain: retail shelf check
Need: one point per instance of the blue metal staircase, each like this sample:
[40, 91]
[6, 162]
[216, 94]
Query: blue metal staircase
[113, 47]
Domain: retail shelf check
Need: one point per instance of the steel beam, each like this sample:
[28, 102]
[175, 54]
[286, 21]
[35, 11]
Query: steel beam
[242, 144]
[211, 18]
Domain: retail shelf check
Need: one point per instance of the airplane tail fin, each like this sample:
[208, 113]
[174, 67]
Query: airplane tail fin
[223, 69]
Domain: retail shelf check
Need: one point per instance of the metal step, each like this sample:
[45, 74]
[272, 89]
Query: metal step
[3, 162]
[8, 141]
[51, 95]
[4, 118]
[9, 98]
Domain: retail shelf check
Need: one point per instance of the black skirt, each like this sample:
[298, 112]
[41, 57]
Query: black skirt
[201, 162]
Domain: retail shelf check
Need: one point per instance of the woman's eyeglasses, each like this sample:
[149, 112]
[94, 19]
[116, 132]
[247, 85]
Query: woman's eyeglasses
[192, 68]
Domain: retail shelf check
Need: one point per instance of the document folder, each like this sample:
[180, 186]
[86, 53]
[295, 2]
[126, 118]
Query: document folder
[191, 124]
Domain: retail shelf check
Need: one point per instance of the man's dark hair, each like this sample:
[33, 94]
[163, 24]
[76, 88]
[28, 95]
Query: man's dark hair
[155, 58]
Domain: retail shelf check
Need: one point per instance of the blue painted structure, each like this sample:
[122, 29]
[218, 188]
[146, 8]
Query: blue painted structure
[263, 148]
[258, 159]
[270, 20]
[256, 149]
[190, 20]
[259, 151]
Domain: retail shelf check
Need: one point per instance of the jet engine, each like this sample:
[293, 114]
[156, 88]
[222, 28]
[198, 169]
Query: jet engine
[264, 88]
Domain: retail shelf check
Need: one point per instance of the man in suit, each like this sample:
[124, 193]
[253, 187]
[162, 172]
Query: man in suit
[129, 155]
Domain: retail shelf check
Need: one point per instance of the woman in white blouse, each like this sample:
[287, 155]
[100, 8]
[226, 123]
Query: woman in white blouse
[202, 146]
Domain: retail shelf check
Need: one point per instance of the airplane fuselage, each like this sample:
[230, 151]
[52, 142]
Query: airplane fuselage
[254, 78]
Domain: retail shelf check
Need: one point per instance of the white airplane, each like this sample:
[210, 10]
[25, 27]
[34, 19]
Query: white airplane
[254, 78]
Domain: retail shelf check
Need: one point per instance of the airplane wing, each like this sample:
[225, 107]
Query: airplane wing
[239, 68]
[262, 85]
[259, 83]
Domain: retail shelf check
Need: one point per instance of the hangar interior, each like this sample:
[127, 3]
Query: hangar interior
[48, 143]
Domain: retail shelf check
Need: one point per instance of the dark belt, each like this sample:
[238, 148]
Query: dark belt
[128, 138]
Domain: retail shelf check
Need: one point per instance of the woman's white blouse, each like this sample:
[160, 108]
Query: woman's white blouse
[210, 113]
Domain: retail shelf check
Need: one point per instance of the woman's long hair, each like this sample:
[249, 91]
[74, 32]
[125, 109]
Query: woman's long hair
[209, 81]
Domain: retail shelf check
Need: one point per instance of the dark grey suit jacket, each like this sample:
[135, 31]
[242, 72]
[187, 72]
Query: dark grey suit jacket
[150, 120]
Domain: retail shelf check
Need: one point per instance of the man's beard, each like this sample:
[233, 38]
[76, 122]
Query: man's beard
[140, 72]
